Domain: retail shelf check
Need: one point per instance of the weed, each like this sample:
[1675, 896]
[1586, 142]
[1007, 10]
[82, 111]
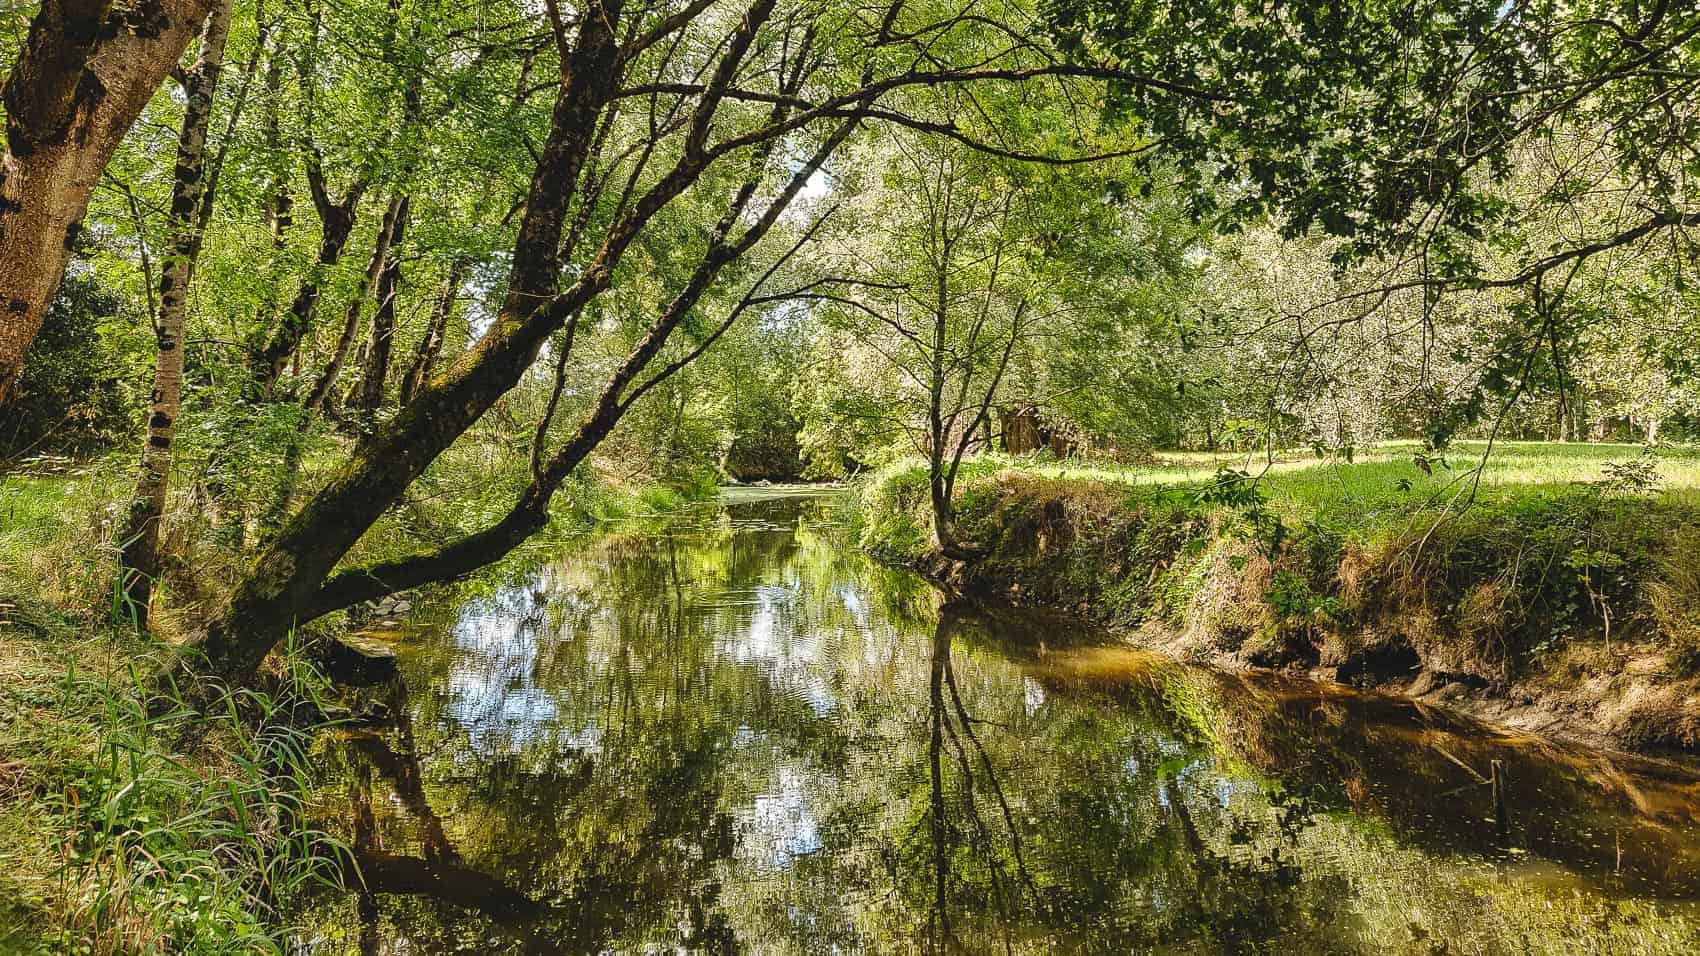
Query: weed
[1639, 475]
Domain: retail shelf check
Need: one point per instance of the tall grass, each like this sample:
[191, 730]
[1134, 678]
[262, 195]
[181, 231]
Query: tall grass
[144, 826]
[55, 532]
[133, 824]
[174, 854]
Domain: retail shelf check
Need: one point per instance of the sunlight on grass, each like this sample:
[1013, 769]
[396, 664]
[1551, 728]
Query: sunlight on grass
[1389, 475]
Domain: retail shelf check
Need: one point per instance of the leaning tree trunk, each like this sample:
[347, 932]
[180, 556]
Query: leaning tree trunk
[318, 398]
[387, 231]
[377, 366]
[140, 559]
[269, 361]
[282, 585]
[290, 582]
[83, 76]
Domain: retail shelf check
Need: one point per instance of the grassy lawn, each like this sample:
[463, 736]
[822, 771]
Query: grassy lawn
[1380, 488]
[1387, 476]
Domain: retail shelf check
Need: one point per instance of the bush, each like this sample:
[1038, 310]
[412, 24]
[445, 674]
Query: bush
[78, 393]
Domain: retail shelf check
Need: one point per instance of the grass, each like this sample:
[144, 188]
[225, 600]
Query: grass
[1382, 486]
[119, 831]
[58, 523]
[1393, 487]
[55, 530]
[1303, 484]
[1384, 480]
[131, 824]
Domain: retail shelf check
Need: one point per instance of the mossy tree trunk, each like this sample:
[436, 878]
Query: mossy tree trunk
[388, 230]
[336, 218]
[140, 556]
[318, 397]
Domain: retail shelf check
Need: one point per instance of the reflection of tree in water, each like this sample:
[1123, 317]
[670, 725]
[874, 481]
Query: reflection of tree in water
[985, 850]
[1083, 854]
[569, 870]
[595, 819]
[742, 735]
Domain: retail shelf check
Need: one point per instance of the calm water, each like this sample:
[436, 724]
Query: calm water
[738, 734]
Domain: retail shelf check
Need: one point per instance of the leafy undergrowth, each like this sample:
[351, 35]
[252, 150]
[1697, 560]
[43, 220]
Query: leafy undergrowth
[1566, 586]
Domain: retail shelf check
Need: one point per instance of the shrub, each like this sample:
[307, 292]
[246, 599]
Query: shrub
[79, 391]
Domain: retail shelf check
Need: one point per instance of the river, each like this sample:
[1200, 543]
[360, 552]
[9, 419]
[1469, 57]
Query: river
[735, 733]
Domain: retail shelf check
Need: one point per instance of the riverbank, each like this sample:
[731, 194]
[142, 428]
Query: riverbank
[1563, 600]
[120, 829]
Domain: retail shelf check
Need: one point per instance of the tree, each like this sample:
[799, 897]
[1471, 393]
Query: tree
[74, 395]
[944, 294]
[1412, 161]
[1402, 130]
[679, 137]
[969, 279]
[187, 228]
[87, 69]
[627, 145]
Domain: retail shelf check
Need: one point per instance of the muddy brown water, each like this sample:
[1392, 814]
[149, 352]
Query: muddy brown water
[734, 732]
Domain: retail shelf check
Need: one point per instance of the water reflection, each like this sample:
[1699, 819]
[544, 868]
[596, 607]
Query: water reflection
[738, 734]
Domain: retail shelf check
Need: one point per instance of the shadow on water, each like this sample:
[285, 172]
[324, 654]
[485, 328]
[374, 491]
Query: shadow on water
[738, 733]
